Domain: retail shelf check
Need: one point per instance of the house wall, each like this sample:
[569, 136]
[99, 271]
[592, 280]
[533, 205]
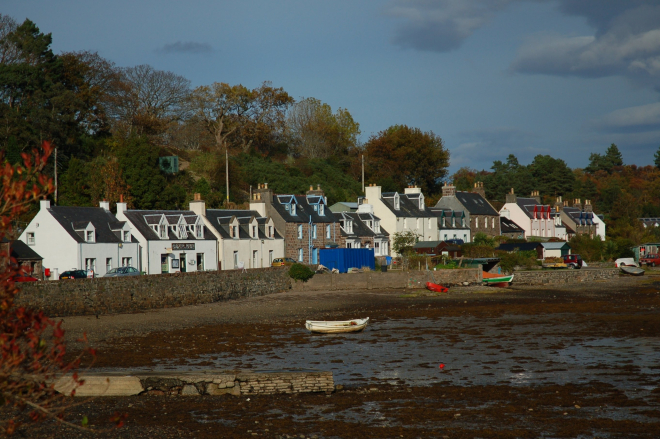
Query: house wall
[103, 251]
[52, 242]
[600, 229]
[519, 217]
[579, 229]
[477, 225]
[293, 243]
[154, 250]
[464, 234]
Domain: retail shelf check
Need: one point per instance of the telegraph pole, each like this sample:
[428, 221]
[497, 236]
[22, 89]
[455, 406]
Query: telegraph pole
[227, 172]
[56, 176]
[362, 173]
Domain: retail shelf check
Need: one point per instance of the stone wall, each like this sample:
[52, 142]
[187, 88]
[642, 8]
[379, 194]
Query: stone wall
[374, 280]
[547, 277]
[138, 293]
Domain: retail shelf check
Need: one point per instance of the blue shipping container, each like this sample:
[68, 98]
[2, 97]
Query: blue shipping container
[345, 258]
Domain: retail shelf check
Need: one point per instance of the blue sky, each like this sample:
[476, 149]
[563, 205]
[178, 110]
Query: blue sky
[491, 77]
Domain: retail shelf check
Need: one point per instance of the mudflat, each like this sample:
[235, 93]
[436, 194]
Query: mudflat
[558, 361]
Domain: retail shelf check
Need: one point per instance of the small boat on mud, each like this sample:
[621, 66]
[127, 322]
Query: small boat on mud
[337, 327]
[633, 271]
[436, 288]
[497, 280]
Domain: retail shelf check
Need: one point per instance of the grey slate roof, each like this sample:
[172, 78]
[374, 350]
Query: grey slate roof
[304, 211]
[527, 205]
[555, 245]
[220, 219]
[407, 208]
[509, 226]
[475, 204]
[71, 218]
[360, 229]
[22, 251]
[447, 213]
[141, 219]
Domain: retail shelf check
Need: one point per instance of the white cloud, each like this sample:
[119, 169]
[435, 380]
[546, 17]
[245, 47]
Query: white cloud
[641, 118]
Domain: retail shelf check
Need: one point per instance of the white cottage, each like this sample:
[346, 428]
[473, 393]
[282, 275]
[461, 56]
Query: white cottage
[91, 238]
[246, 239]
[172, 240]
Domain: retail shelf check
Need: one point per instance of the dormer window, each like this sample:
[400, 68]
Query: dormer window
[235, 233]
[89, 236]
[199, 232]
[254, 231]
[127, 236]
[293, 209]
[321, 209]
[444, 222]
[270, 232]
[453, 221]
[163, 231]
[377, 226]
[397, 202]
[421, 202]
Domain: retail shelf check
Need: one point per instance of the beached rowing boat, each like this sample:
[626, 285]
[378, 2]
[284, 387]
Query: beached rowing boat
[436, 288]
[337, 327]
[634, 271]
[497, 280]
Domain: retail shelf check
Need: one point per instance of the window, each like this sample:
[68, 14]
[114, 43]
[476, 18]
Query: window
[476, 222]
[126, 262]
[463, 222]
[453, 222]
[349, 245]
[163, 233]
[90, 264]
[127, 236]
[396, 202]
[30, 238]
[445, 238]
[270, 258]
[254, 258]
[418, 223]
[300, 231]
[293, 209]
[89, 236]
[377, 226]
[377, 248]
[321, 209]
[300, 255]
[235, 259]
[199, 231]
[108, 264]
[314, 231]
[493, 223]
[444, 222]
[235, 229]
[254, 231]
[270, 231]
[328, 232]
[182, 231]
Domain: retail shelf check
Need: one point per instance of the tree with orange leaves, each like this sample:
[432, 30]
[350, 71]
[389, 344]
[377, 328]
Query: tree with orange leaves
[32, 347]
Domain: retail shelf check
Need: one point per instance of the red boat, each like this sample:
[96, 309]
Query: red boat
[437, 288]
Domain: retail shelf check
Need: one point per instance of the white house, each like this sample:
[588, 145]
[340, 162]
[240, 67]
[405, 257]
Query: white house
[362, 229]
[171, 240]
[452, 224]
[245, 237]
[81, 238]
[403, 212]
[535, 218]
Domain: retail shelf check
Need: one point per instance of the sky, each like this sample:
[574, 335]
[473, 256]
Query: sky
[491, 77]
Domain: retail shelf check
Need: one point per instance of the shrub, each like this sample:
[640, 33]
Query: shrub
[300, 272]
[526, 259]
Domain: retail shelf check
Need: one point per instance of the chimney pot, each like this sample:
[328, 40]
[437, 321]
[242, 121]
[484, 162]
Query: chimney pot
[311, 188]
[121, 198]
[265, 185]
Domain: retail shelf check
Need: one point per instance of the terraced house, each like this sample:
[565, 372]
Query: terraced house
[535, 218]
[480, 215]
[362, 229]
[452, 224]
[304, 221]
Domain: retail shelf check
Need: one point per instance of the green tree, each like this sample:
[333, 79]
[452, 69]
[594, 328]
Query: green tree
[404, 242]
[656, 160]
[138, 161]
[409, 156]
[552, 176]
[606, 162]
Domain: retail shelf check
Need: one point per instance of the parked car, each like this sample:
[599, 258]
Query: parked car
[626, 262]
[573, 261]
[74, 274]
[122, 271]
[651, 260]
[281, 262]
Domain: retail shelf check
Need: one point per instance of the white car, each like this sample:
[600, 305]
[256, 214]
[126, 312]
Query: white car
[626, 262]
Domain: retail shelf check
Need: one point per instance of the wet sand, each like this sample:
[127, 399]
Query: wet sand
[572, 361]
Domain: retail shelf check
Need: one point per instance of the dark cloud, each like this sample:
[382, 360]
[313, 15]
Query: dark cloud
[186, 47]
[626, 43]
[482, 147]
[441, 25]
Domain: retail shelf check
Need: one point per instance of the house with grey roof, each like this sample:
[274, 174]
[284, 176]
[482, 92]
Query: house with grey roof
[510, 229]
[580, 219]
[171, 241]
[480, 215]
[81, 238]
[402, 212]
[246, 238]
[362, 229]
[536, 218]
[452, 224]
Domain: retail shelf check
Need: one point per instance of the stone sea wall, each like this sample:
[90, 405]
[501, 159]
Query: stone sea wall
[139, 293]
[548, 277]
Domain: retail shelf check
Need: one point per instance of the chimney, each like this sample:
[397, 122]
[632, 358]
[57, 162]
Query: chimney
[505, 213]
[263, 195]
[44, 204]
[412, 190]
[448, 190]
[479, 189]
[318, 191]
[587, 206]
[511, 197]
[104, 205]
[577, 204]
[256, 203]
[197, 205]
[536, 196]
[365, 207]
[565, 203]
[121, 208]
[559, 205]
[372, 192]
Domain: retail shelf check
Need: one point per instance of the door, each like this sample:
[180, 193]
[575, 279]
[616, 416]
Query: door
[200, 261]
[182, 257]
[315, 256]
[270, 258]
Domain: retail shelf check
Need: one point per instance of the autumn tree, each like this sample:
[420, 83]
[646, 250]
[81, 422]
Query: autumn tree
[316, 132]
[407, 156]
[8, 50]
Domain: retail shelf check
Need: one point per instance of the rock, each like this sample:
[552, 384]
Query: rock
[577, 406]
[189, 389]
[155, 393]
[466, 284]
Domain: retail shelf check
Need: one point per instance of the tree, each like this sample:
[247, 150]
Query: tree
[552, 176]
[464, 178]
[138, 161]
[240, 118]
[408, 156]
[8, 50]
[404, 242]
[656, 160]
[607, 162]
[316, 132]
[32, 346]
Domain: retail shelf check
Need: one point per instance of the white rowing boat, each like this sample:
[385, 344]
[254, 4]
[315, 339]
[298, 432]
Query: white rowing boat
[354, 325]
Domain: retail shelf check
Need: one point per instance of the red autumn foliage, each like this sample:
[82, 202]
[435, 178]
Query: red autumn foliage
[32, 347]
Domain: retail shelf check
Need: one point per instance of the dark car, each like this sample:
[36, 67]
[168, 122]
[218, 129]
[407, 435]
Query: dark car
[122, 271]
[74, 274]
[573, 261]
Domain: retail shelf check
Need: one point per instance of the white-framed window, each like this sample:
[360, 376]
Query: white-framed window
[30, 238]
[108, 264]
[453, 221]
[89, 236]
[445, 238]
[182, 231]
[314, 231]
[255, 257]
[300, 255]
[357, 244]
[493, 223]
[127, 236]
[444, 222]
[397, 204]
[377, 226]
[90, 264]
[235, 235]
[476, 222]
[235, 259]
[270, 232]
[254, 231]
[163, 231]
[300, 231]
[321, 209]
[293, 209]
[377, 248]
[270, 258]
[349, 245]
[126, 262]
[328, 232]
[199, 232]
